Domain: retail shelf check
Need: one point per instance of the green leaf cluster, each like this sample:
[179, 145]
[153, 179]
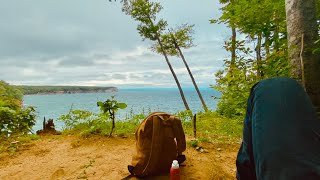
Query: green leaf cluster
[145, 12]
[259, 52]
[180, 36]
[14, 119]
[85, 122]
[16, 122]
[110, 106]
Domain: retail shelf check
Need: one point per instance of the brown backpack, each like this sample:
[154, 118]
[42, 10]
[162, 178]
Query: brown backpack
[160, 139]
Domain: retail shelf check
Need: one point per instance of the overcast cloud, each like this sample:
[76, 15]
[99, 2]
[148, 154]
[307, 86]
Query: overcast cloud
[91, 42]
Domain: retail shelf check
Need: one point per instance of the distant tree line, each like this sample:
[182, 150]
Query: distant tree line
[63, 89]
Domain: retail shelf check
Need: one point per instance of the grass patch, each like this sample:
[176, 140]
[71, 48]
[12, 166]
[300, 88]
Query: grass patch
[214, 128]
[210, 127]
[13, 144]
[123, 128]
[193, 143]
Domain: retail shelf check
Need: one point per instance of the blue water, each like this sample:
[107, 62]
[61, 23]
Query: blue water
[138, 101]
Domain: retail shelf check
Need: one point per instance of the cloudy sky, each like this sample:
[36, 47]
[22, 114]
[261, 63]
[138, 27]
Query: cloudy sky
[91, 42]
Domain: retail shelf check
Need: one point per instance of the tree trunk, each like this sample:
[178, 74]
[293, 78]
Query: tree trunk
[266, 46]
[190, 73]
[301, 22]
[276, 33]
[174, 75]
[194, 123]
[113, 123]
[233, 49]
[258, 55]
[170, 67]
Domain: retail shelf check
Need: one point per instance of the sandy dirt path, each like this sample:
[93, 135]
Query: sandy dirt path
[71, 157]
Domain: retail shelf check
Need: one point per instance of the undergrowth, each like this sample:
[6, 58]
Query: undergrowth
[211, 127]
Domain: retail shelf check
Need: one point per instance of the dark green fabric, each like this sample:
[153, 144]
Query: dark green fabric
[281, 135]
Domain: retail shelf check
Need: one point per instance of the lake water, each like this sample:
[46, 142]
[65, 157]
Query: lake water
[138, 101]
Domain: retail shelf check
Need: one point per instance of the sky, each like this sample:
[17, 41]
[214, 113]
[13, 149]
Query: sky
[93, 43]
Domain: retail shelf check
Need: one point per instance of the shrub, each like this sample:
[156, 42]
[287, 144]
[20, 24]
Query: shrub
[16, 122]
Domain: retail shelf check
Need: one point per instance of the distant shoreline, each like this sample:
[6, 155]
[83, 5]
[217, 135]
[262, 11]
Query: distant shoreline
[52, 90]
[57, 93]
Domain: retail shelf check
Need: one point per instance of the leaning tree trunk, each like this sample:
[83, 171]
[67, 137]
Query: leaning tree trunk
[170, 67]
[302, 34]
[190, 73]
[174, 74]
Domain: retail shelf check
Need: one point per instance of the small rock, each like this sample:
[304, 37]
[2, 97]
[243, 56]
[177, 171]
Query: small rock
[219, 149]
[201, 150]
[197, 148]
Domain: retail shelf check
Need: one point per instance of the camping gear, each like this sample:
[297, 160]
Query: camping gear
[175, 171]
[281, 134]
[160, 139]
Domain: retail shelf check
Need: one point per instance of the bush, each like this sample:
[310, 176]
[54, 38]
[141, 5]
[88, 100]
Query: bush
[14, 120]
[19, 122]
[87, 123]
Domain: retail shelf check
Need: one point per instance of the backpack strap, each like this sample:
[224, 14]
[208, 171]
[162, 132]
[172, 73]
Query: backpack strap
[179, 134]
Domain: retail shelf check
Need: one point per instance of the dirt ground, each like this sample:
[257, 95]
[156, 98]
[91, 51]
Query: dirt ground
[71, 157]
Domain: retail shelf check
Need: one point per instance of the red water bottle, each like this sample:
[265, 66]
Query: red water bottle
[175, 171]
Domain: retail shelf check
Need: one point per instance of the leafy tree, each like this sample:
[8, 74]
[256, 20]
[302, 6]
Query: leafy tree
[145, 12]
[110, 107]
[229, 18]
[10, 91]
[172, 42]
[16, 122]
[10, 96]
[260, 53]
[14, 119]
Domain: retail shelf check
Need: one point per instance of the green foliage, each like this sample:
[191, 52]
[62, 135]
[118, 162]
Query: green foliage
[213, 127]
[235, 90]
[110, 106]
[193, 143]
[10, 91]
[145, 12]
[185, 115]
[85, 122]
[76, 117]
[137, 118]
[18, 121]
[88, 123]
[261, 54]
[210, 126]
[10, 96]
[182, 36]
[28, 138]
[14, 120]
